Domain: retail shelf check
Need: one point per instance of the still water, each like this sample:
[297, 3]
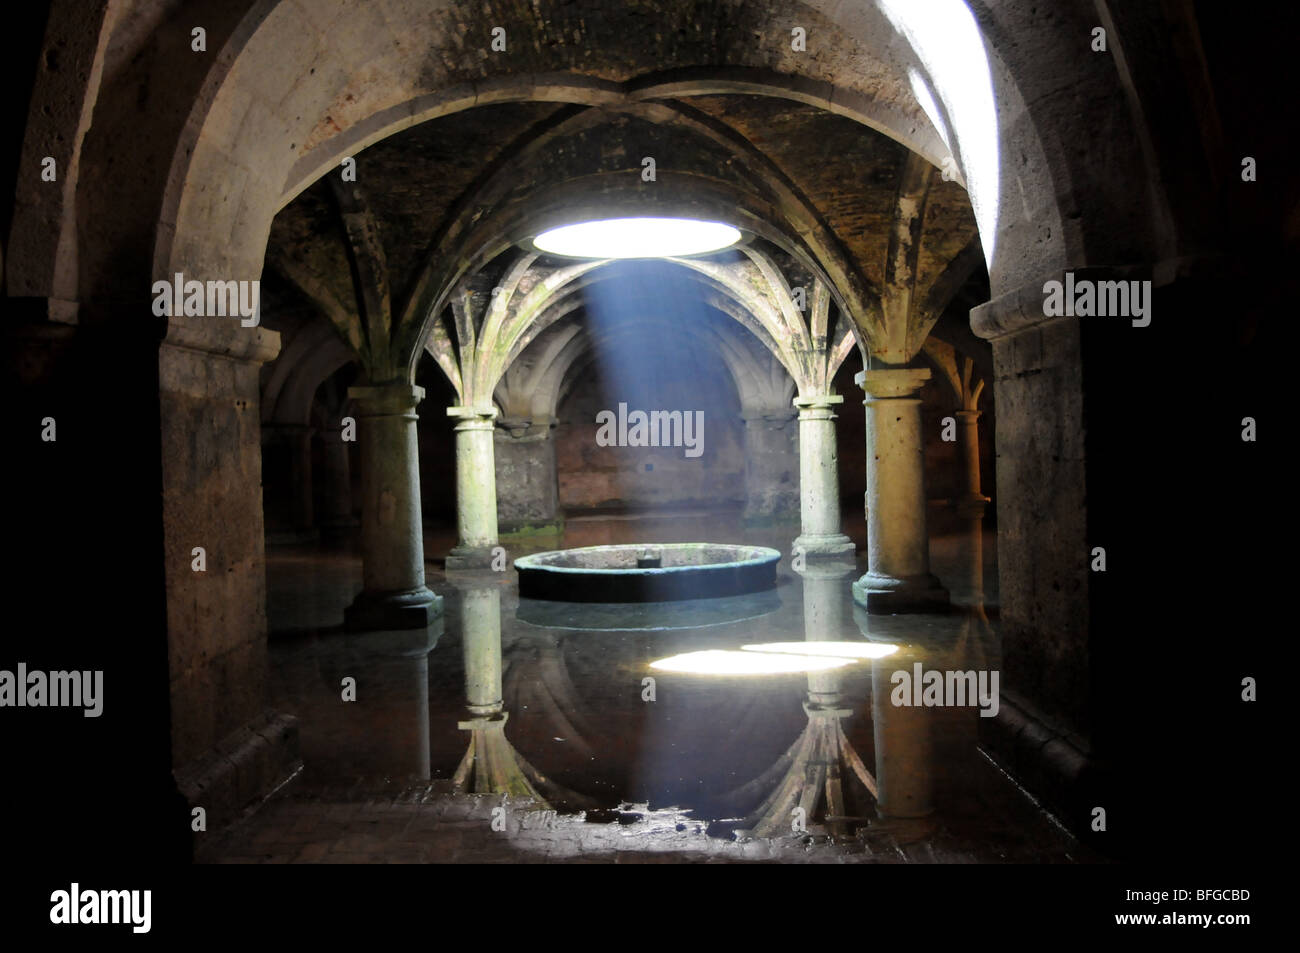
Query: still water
[783, 713]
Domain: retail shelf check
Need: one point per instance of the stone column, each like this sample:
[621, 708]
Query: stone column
[771, 466]
[971, 503]
[392, 534]
[476, 488]
[528, 496]
[819, 479]
[898, 577]
[228, 749]
[336, 482]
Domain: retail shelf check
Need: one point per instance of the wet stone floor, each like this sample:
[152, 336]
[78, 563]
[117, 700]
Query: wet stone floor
[521, 731]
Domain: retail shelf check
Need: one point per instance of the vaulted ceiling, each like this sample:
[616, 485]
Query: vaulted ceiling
[454, 198]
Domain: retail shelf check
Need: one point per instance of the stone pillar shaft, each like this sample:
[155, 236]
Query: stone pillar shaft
[898, 575]
[476, 488]
[819, 479]
[968, 422]
[392, 532]
[971, 503]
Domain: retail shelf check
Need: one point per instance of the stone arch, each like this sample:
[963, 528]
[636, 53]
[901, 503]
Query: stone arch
[314, 354]
[231, 131]
[725, 292]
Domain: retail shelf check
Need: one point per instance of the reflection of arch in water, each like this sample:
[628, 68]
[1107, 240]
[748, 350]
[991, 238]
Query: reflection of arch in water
[492, 766]
[537, 679]
[817, 773]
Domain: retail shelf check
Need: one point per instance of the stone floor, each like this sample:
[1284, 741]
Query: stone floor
[415, 823]
[598, 772]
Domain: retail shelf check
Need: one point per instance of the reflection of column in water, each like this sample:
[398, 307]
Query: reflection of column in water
[904, 753]
[481, 632]
[405, 655]
[491, 765]
[823, 619]
[815, 773]
[420, 672]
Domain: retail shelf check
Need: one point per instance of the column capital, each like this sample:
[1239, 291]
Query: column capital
[223, 337]
[387, 400]
[473, 418]
[1023, 307]
[818, 401]
[528, 429]
[892, 382]
[487, 413]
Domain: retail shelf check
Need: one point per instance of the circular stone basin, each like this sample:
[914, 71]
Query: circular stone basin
[654, 572]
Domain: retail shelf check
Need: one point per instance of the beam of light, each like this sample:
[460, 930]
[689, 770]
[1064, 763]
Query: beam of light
[948, 42]
[722, 662]
[844, 650]
[637, 238]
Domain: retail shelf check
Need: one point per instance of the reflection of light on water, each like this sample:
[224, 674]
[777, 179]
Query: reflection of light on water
[723, 662]
[845, 650]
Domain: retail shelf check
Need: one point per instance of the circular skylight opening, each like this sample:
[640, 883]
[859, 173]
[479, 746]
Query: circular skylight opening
[637, 238]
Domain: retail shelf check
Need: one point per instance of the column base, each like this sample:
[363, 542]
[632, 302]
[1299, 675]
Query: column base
[469, 558]
[404, 609]
[834, 545]
[885, 595]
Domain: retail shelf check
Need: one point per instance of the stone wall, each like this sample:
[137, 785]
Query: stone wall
[592, 477]
[527, 494]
